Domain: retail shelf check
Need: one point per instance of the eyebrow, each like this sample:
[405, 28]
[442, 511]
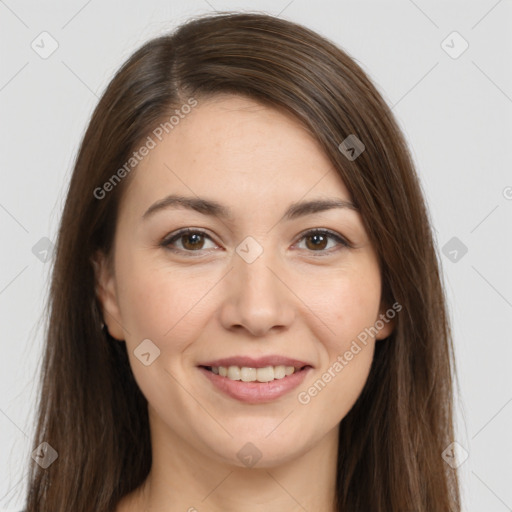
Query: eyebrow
[215, 209]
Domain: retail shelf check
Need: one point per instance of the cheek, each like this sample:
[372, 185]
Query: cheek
[333, 394]
[348, 309]
[167, 307]
[346, 303]
[347, 354]
[162, 304]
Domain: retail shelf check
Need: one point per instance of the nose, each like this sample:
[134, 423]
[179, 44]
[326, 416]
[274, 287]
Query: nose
[257, 297]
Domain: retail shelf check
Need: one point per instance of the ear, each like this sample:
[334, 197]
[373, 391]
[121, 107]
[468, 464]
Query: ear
[106, 293]
[386, 320]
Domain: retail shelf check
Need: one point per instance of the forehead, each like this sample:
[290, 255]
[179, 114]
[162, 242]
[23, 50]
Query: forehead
[235, 147]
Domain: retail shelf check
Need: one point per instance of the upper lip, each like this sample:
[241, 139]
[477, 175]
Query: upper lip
[256, 362]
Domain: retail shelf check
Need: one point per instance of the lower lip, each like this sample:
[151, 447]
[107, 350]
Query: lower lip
[256, 392]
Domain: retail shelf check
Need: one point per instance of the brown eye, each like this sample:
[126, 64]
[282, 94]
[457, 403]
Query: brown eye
[192, 241]
[186, 241]
[316, 241]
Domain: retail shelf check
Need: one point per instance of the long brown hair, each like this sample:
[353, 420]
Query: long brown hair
[91, 410]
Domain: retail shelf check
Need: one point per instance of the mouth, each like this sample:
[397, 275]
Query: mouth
[252, 374]
[255, 381]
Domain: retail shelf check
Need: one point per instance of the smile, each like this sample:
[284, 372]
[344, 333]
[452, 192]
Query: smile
[255, 385]
[247, 374]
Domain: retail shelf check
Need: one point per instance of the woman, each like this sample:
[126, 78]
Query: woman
[246, 309]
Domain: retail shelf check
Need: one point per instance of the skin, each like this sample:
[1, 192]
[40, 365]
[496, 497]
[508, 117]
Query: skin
[290, 301]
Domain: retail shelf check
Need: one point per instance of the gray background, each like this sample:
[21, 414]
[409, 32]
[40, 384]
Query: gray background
[456, 114]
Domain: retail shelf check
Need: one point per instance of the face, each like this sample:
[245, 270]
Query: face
[259, 287]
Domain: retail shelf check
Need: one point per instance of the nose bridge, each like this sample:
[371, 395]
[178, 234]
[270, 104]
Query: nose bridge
[256, 298]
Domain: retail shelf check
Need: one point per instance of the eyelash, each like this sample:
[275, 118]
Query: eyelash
[167, 241]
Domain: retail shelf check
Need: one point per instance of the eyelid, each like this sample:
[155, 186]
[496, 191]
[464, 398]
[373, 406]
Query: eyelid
[342, 241]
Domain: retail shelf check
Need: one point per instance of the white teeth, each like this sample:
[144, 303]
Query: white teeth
[234, 373]
[265, 374]
[246, 374]
[279, 372]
